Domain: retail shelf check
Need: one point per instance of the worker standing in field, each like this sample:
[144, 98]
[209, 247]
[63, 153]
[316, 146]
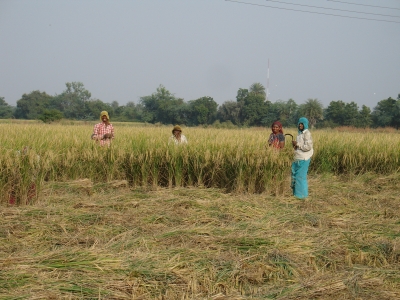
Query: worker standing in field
[177, 137]
[103, 132]
[276, 138]
[303, 151]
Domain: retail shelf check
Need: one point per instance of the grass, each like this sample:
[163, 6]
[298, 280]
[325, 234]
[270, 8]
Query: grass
[196, 243]
[235, 160]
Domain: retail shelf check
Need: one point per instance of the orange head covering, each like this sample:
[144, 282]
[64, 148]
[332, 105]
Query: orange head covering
[279, 125]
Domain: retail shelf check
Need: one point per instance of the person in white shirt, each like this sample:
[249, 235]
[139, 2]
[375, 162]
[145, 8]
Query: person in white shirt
[303, 151]
[177, 137]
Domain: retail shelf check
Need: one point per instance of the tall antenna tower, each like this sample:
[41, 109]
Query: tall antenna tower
[267, 82]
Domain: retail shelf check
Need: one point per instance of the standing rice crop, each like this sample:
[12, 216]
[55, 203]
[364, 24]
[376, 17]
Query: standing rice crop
[235, 160]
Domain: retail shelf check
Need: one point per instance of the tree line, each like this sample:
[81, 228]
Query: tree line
[251, 108]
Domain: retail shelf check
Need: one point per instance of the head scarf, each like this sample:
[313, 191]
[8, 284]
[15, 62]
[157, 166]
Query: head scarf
[279, 125]
[303, 121]
[104, 113]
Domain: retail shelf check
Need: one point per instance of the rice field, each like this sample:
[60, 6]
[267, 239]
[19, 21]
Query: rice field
[235, 160]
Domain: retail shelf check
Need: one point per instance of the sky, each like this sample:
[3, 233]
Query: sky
[122, 50]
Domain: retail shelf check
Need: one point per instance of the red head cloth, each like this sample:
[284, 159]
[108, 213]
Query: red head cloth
[279, 125]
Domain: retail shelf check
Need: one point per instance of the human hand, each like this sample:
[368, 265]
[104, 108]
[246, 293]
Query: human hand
[294, 143]
[107, 136]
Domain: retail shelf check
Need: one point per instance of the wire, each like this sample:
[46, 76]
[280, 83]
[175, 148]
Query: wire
[364, 4]
[312, 12]
[338, 9]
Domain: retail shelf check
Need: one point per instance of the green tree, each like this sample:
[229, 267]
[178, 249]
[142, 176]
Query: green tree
[161, 106]
[258, 89]
[364, 117]
[313, 111]
[351, 114]
[335, 112]
[387, 113]
[204, 110]
[6, 110]
[72, 102]
[129, 112]
[94, 107]
[284, 111]
[51, 115]
[241, 95]
[230, 111]
[32, 105]
[254, 109]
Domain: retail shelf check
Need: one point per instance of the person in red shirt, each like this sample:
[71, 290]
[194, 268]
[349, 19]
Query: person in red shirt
[103, 132]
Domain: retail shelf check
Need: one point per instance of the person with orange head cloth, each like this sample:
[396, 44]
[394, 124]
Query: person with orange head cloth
[103, 132]
[276, 138]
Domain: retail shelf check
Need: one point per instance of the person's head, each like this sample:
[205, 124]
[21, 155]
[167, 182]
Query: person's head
[177, 130]
[104, 117]
[302, 124]
[276, 127]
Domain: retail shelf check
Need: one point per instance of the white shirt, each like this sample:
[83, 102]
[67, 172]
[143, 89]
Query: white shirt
[304, 149]
[173, 139]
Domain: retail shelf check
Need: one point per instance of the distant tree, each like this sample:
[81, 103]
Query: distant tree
[258, 89]
[50, 115]
[253, 107]
[6, 110]
[32, 105]
[335, 113]
[351, 114]
[292, 111]
[181, 114]
[254, 110]
[94, 107]
[203, 110]
[284, 111]
[241, 95]
[387, 113]
[312, 110]
[364, 117]
[230, 111]
[160, 106]
[132, 112]
[72, 102]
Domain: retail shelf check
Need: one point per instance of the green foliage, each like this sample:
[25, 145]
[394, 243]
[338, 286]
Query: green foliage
[72, 102]
[94, 107]
[203, 110]
[285, 112]
[312, 110]
[364, 117]
[254, 109]
[249, 109]
[387, 113]
[6, 110]
[258, 89]
[230, 111]
[32, 105]
[162, 106]
[51, 115]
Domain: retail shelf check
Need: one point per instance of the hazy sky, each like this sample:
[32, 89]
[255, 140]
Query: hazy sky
[122, 50]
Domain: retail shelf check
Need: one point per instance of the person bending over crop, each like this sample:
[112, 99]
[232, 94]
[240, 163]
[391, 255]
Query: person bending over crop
[303, 150]
[276, 138]
[177, 137]
[103, 132]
